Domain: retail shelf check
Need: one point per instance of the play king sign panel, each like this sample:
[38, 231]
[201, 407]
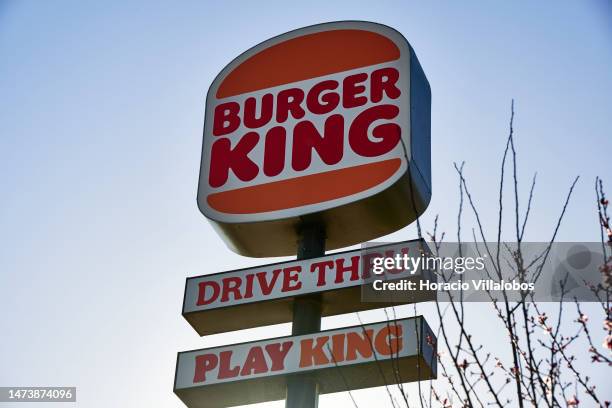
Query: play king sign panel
[329, 123]
[356, 357]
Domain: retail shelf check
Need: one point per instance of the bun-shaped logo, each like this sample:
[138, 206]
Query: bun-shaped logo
[327, 124]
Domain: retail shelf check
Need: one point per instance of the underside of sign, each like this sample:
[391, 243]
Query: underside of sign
[329, 124]
[264, 295]
[372, 355]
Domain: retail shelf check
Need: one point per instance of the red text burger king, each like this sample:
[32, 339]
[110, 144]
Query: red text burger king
[329, 121]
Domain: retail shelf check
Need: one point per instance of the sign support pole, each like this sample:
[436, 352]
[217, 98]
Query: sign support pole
[303, 390]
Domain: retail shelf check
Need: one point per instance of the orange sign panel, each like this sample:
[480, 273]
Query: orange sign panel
[329, 122]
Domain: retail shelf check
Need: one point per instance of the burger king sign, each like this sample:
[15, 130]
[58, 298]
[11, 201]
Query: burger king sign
[327, 124]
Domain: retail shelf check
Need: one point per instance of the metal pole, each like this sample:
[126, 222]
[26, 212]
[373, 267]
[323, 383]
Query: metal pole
[302, 389]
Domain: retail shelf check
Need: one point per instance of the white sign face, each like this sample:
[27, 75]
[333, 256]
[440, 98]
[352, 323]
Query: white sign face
[314, 120]
[251, 297]
[330, 134]
[251, 372]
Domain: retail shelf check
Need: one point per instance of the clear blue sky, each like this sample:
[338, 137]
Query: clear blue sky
[101, 114]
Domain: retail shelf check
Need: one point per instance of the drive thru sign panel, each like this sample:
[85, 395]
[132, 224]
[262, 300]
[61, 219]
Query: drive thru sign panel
[329, 122]
[264, 295]
[347, 358]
